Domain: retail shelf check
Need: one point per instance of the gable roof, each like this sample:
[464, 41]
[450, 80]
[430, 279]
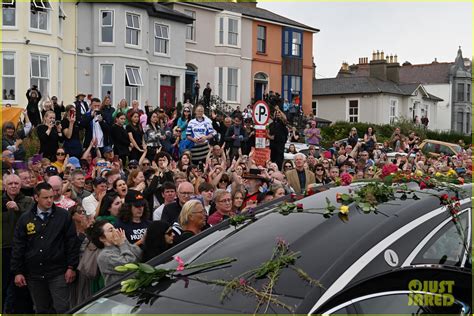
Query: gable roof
[253, 12]
[365, 85]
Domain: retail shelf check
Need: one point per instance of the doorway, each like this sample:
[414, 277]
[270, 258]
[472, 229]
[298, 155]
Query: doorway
[260, 85]
[191, 76]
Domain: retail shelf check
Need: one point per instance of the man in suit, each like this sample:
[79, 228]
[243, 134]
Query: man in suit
[300, 177]
[81, 106]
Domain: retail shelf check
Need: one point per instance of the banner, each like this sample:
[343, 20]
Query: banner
[11, 114]
[261, 156]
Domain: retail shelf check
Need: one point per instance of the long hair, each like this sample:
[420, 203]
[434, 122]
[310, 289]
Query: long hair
[95, 232]
[126, 215]
[155, 242]
[106, 203]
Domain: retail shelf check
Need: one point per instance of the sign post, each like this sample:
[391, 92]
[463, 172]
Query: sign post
[261, 115]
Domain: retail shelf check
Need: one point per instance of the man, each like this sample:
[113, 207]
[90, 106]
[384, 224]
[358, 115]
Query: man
[300, 177]
[206, 191]
[57, 108]
[278, 135]
[91, 203]
[169, 196]
[78, 183]
[171, 211]
[81, 107]
[45, 253]
[14, 203]
[313, 134]
[188, 105]
[223, 130]
[59, 199]
[334, 174]
[196, 88]
[252, 182]
[8, 160]
[236, 112]
[108, 153]
[95, 126]
[235, 136]
[49, 172]
[207, 96]
[26, 179]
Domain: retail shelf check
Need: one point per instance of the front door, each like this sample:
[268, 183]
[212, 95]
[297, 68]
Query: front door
[167, 97]
[260, 88]
[189, 91]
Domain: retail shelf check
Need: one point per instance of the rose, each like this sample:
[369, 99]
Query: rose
[422, 185]
[444, 197]
[344, 210]
[346, 178]
[180, 263]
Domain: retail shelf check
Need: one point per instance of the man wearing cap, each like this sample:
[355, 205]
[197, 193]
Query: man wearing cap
[300, 177]
[46, 253]
[171, 211]
[108, 153]
[59, 199]
[252, 182]
[133, 218]
[92, 202]
[81, 106]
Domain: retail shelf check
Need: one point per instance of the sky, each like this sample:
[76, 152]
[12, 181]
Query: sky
[416, 32]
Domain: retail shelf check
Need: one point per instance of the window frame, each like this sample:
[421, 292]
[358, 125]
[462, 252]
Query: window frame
[287, 86]
[191, 26]
[101, 84]
[262, 41]
[223, 30]
[139, 30]
[468, 92]
[10, 6]
[393, 105]
[48, 78]
[133, 86]
[234, 32]
[168, 40]
[460, 97]
[287, 42]
[35, 11]
[232, 85]
[101, 42]
[348, 115]
[14, 101]
[314, 107]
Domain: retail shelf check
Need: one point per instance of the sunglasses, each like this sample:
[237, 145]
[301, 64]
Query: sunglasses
[186, 111]
[60, 154]
[288, 166]
[145, 164]
[133, 167]
[319, 169]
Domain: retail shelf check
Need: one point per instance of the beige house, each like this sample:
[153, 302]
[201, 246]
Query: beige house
[38, 47]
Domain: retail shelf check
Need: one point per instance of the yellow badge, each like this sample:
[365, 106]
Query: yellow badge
[30, 228]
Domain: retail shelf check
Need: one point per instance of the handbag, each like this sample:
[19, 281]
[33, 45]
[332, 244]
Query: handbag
[88, 263]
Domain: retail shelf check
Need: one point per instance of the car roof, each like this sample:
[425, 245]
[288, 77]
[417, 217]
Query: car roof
[438, 142]
[328, 248]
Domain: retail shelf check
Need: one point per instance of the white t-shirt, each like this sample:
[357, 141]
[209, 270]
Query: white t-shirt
[90, 204]
[158, 212]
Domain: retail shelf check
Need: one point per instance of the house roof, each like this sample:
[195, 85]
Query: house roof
[153, 9]
[364, 85]
[254, 12]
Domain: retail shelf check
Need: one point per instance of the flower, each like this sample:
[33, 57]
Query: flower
[299, 206]
[281, 242]
[419, 173]
[444, 197]
[242, 282]
[180, 263]
[344, 210]
[451, 172]
[338, 196]
[389, 169]
[346, 178]
[422, 185]
[438, 174]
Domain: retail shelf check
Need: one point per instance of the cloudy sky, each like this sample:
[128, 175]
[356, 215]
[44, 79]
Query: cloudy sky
[416, 32]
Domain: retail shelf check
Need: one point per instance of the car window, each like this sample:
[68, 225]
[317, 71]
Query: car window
[428, 148]
[446, 150]
[405, 304]
[446, 246]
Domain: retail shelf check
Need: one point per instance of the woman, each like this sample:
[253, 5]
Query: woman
[61, 160]
[122, 107]
[49, 135]
[72, 142]
[34, 96]
[278, 190]
[133, 217]
[353, 138]
[320, 174]
[114, 249]
[107, 110]
[153, 136]
[47, 106]
[136, 136]
[223, 200]
[287, 165]
[183, 121]
[159, 238]
[200, 131]
[13, 140]
[192, 220]
[120, 186]
[136, 180]
[120, 138]
[176, 140]
[237, 201]
[110, 207]
[184, 162]
[370, 172]
[370, 140]
[294, 135]
[292, 149]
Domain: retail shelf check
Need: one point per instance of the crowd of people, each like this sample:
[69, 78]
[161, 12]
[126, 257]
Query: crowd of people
[110, 186]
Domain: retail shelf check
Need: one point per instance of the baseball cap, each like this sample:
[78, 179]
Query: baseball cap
[51, 171]
[135, 198]
[133, 162]
[75, 162]
[108, 149]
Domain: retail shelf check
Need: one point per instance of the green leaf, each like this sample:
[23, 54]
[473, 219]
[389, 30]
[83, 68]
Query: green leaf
[146, 268]
[131, 266]
[345, 197]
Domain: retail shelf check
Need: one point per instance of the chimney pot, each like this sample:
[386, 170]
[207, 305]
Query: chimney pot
[395, 58]
[382, 55]
[378, 55]
[373, 55]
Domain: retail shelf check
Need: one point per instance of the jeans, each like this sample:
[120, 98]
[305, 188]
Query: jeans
[50, 296]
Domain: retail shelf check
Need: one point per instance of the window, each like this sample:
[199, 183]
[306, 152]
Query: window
[60, 78]
[353, 111]
[41, 5]
[39, 20]
[162, 40]
[468, 93]
[106, 26]
[8, 76]
[292, 88]
[221, 30]
[232, 84]
[39, 73]
[221, 82]
[61, 18]
[460, 96]
[261, 39]
[133, 29]
[106, 80]
[9, 13]
[133, 82]
[459, 121]
[314, 107]
[292, 42]
[393, 113]
[233, 32]
[191, 28]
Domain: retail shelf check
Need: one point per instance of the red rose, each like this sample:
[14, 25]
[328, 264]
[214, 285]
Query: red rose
[444, 197]
[422, 185]
[299, 205]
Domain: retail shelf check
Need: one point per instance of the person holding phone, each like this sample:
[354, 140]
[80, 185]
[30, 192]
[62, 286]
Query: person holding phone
[70, 129]
[49, 135]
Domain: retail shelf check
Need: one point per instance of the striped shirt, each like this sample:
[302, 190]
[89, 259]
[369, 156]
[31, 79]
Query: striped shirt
[201, 128]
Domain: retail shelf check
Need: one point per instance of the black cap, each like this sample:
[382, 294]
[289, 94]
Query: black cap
[135, 198]
[51, 171]
[133, 162]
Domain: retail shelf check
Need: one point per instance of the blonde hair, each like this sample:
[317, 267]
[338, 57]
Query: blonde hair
[187, 211]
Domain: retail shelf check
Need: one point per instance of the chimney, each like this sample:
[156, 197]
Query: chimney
[393, 69]
[250, 4]
[378, 66]
[344, 72]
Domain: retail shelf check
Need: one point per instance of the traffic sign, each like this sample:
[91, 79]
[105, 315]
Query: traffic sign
[261, 113]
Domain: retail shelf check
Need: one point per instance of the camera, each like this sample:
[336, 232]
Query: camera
[57, 123]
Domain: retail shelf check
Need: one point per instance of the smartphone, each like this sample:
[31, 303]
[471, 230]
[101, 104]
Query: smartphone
[71, 113]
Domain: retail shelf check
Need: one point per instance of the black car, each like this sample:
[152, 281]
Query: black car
[408, 257]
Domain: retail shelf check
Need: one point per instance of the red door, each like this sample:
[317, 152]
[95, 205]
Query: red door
[167, 97]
